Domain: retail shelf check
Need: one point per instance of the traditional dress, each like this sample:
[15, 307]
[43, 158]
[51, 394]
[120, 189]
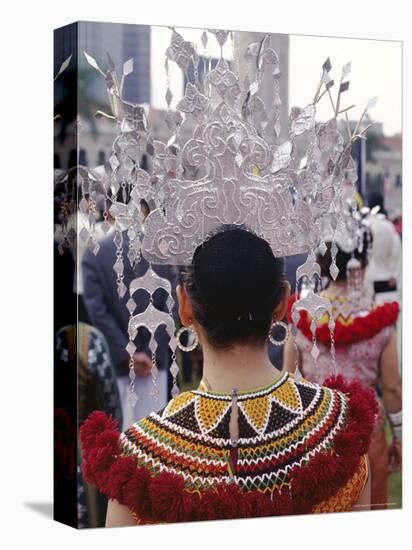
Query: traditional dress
[359, 342]
[301, 448]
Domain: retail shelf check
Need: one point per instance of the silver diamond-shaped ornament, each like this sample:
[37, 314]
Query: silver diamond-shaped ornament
[169, 96]
[131, 348]
[131, 305]
[346, 69]
[323, 248]
[334, 271]
[93, 246]
[204, 39]
[315, 352]
[174, 369]
[121, 289]
[118, 266]
[84, 234]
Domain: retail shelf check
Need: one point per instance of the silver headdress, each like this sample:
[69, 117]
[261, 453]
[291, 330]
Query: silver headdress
[232, 170]
[352, 235]
[352, 229]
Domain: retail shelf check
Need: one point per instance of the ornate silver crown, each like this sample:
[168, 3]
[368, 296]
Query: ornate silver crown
[231, 170]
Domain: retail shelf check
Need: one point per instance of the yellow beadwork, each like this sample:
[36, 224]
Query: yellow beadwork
[346, 498]
[181, 401]
[209, 412]
[288, 396]
[257, 411]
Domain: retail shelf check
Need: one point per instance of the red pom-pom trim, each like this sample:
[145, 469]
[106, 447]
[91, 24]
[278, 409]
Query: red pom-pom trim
[170, 501]
[361, 328]
[164, 497]
[328, 472]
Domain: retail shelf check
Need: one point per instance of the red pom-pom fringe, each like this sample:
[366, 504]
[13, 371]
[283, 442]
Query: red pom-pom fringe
[328, 472]
[362, 328]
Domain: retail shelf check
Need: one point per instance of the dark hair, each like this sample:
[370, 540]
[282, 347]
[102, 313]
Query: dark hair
[375, 198]
[342, 258]
[234, 283]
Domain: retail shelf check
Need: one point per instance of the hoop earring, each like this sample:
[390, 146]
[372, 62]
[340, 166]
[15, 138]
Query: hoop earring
[285, 328]
[191, 347]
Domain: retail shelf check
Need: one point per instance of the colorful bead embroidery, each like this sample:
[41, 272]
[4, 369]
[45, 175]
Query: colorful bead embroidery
[281, 427]
[307, 456]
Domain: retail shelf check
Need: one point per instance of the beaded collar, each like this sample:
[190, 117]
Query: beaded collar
[205, 389]
[179, 464]
[281, 426]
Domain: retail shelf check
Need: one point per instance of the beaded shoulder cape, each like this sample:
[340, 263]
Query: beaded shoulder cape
[300, 449]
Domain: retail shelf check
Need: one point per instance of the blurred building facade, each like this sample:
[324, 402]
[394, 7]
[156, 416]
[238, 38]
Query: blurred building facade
[280, 43]
[379, 159]
[388, 162]
[121, 42]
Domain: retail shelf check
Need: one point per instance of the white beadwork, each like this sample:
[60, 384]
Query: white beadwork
[286, 329]
[190, 347]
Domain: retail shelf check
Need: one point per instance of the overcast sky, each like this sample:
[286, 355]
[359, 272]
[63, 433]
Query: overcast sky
[376, 71]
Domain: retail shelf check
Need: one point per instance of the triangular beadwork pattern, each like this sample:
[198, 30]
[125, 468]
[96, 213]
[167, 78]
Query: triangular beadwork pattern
[256, 412]
[297, 429]
[246, 430]
[307, 394]
[288, 396]
[210, 412]
[278, 417]
[222, 429]
[186, 418]
[177, 404]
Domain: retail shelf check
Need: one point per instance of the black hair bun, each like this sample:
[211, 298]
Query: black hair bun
[236, 273]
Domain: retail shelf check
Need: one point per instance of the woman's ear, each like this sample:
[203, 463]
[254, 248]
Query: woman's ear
[185, 306]
[281, 309]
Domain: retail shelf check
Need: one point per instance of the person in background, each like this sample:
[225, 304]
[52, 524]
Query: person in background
[291, 265]
[383, 276]
[365, 348]
[110, 315]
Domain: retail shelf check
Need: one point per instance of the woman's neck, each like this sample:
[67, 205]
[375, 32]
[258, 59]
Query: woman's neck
[242, 367]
